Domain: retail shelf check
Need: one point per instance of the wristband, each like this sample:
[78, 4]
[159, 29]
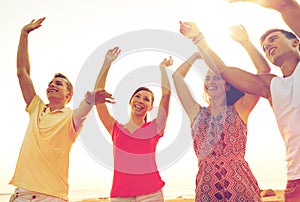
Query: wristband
[87, 100]
[198, 38]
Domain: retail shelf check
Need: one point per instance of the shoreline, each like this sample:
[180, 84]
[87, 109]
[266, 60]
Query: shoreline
[268, 195]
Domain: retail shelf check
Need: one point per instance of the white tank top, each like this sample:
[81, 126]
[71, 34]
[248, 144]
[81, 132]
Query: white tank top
[285, 94]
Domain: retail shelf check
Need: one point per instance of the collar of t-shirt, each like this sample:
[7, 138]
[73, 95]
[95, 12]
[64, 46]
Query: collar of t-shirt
[46, 110]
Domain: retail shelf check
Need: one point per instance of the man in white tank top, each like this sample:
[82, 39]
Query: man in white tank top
[282, 49]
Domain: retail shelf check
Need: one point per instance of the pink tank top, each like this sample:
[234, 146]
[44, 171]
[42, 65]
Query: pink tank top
[135, 170]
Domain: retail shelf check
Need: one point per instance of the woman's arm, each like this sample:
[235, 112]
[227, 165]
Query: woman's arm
[242, 80]
[163, 110]
[102, 109]
[190, 106]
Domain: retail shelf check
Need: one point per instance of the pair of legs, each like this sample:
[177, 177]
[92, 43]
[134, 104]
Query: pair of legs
[155, 196]
[24, 195]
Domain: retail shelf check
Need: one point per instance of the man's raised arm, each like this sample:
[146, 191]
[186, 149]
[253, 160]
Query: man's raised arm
[289, 10]
[23, 64]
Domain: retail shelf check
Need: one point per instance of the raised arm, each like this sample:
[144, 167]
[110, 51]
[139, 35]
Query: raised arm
[23, 64]
[242, 80]
[245, 104]
[190, 106]
[240, 35]
[99, 96]
[102, 109]
[163, 110]
[289, 10]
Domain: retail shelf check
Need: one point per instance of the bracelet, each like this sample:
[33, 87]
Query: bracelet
[88, 102]
[88, 99]
[198, 38]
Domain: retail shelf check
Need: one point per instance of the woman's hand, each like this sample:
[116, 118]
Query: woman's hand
[189, 29]
[166, 62]
[112, 54]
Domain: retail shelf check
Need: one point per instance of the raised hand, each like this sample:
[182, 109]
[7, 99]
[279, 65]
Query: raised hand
[112, 54]
[239, 33]
[99, 96]
[189, 29]
[34, 24]
[166, 62]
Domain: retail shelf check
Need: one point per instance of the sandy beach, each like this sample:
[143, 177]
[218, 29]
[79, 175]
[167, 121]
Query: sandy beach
[277, 196]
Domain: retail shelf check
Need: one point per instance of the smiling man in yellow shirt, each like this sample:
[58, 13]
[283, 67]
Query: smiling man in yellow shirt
[41, 172]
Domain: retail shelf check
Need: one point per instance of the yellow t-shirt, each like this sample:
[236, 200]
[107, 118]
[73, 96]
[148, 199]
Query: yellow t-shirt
[43, 162]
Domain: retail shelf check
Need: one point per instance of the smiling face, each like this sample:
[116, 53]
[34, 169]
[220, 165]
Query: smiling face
[279, 46]
[141, 102]
[214, 86]
[58, 91]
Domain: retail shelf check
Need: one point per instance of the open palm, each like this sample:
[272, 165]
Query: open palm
[112, 54]
[34, 24]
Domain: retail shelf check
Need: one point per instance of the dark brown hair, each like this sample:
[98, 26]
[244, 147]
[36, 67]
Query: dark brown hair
[233, 94]
[287, 34]
[143, 89]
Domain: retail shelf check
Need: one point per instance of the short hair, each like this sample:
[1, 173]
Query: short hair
[287, 34]
[69, 84]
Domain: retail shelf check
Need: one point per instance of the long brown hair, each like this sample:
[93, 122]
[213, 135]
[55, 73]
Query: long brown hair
[232, 95]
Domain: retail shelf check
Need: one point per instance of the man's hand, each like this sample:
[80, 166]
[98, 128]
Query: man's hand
[239, 34]
[99, 96]
[34, 24]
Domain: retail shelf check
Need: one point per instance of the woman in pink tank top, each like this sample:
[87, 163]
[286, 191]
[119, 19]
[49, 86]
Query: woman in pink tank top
[136, 177]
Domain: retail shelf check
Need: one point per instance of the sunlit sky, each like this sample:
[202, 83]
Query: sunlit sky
[73, 29]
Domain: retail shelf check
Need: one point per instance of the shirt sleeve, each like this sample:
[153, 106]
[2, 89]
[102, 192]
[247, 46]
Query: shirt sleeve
[35, 104]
